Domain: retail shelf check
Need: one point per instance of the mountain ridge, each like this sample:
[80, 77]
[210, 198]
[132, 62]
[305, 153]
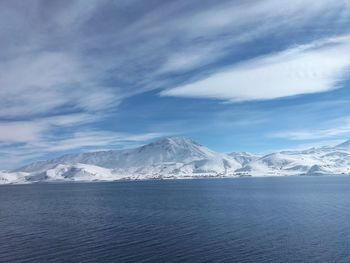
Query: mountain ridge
[345, 144]
[181, 157]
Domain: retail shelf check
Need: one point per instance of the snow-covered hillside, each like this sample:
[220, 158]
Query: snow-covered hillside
[170, 151]
[244, 158]
[179, 157]
[173, 157]
[315, 161]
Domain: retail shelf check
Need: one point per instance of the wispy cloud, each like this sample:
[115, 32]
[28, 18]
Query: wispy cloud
[23, 141]
[46, 81]
[219, 30]
[264, 14]
[317, 67]
[339, 128]
[94, 139]
[34, 130]
[35, 145]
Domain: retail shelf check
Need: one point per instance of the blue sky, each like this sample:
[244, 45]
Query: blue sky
[255, 76]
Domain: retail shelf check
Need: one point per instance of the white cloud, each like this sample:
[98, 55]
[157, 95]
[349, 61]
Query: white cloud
[33, 131]
[77, 12]
[339, 128]
[318, 67]
[185, 36]
[43, 82]
[304, 146]
[95, 139]
[183, 61]
[16, 132]
[275, 13]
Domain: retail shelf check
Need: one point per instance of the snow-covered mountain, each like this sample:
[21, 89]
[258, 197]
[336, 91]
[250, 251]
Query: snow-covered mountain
[344, 145]
[179, 157]
[172, 150]
[315, 161]
[244, 158]
[173, 157]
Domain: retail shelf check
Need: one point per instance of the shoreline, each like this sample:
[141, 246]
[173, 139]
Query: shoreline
[176, 179]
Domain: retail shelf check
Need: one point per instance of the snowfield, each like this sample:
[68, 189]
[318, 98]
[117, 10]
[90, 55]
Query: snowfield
[179, 158]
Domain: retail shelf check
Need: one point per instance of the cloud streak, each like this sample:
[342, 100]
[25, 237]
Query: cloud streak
[31, 144]
[337, 129]
[317, 67]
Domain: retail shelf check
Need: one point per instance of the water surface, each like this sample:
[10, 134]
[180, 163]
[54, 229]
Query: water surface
[295, 219]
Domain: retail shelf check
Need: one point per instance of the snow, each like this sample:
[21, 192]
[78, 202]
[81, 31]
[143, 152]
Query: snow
[12, 177]
[180, 157]
[344, 144]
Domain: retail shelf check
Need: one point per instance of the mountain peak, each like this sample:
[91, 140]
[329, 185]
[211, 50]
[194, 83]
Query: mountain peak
[345, 144]
[176, 140]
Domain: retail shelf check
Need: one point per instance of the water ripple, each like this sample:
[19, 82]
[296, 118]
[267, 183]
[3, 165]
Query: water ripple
[239, 220]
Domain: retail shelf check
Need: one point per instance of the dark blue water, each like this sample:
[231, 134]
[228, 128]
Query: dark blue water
[295, 219]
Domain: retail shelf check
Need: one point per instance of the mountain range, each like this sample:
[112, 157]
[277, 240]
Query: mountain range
[179, 158]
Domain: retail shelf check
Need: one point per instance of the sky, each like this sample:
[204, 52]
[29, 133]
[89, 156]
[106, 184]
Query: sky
[252, 75]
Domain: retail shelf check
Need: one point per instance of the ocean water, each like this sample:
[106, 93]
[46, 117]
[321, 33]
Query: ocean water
[287, 219]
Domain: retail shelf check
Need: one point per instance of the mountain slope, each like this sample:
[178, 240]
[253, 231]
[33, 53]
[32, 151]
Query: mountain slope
[314, 161]
[345, 145]
[169, 157]
[179, 157]
[244, 158]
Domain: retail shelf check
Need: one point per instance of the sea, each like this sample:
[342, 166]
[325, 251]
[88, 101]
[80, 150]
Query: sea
[272, 219]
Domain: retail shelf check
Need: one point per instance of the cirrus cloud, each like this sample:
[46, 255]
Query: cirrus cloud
[316, 67]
